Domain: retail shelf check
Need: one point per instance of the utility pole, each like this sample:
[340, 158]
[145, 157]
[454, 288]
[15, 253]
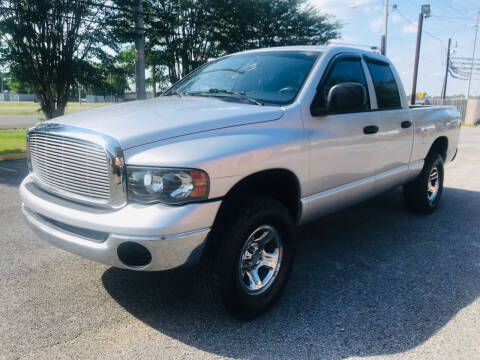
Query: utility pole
[473, 55]
[447, 67]
[425, 12]
[383, 45]
[139, 51]
[79, 94]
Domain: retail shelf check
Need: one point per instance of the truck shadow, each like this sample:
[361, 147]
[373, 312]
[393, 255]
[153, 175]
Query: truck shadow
[373, 279]
[13, 172]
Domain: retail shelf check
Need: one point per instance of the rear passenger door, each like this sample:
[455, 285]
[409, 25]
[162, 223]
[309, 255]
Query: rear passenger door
[395, 135]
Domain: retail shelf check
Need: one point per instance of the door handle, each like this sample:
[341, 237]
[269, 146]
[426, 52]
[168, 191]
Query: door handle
[406, 124]
[372, 129]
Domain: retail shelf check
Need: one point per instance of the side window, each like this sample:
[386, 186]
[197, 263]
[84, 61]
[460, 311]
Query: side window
[347, 70]
[385, 86]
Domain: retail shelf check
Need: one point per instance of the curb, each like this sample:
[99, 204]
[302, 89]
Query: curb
[14, 156]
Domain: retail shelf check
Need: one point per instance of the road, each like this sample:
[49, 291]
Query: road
[18, 121]
[371, 282]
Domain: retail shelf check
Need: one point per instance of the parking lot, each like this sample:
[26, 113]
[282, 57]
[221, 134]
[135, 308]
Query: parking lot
[373, 281]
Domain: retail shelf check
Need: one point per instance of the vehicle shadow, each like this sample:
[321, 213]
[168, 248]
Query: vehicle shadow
[13, 172]
[373, 279]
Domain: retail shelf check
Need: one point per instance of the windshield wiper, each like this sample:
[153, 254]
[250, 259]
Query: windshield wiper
[228, 92]
[174, 92]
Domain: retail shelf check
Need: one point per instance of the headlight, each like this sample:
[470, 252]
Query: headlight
[172, 186]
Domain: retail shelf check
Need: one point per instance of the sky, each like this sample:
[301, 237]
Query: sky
[363, 24]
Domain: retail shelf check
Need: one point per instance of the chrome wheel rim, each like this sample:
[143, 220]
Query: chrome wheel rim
[433, 184]
[260, 260]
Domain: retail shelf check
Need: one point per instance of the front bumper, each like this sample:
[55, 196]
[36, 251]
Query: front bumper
[173, 235]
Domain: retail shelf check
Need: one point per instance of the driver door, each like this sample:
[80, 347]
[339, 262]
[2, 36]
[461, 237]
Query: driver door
[342, 153]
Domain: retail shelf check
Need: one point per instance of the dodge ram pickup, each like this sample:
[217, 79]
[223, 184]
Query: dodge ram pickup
[219, 170]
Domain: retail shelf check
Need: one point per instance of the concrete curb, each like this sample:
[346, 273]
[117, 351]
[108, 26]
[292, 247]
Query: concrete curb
[14, 156]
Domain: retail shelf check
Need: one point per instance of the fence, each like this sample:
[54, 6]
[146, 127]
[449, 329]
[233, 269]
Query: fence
[101, 99]
[460, 103]
[30, 97]
[16, 97]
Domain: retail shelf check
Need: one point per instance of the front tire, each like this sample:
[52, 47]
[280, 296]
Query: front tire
[249, 257]
[423, 194]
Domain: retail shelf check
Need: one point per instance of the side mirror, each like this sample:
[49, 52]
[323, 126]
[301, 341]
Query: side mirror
[343, 97]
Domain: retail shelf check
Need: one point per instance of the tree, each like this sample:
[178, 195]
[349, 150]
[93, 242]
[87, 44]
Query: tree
[103, 78]
[248, 24]
[183, 34]
[18, 86]
[48, 42]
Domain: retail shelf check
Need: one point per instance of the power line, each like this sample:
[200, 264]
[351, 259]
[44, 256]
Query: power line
[448, 20]
[450, 8]
[454, 17]
[459, 58]
[416, 25]
[449, 17]
[413, 4]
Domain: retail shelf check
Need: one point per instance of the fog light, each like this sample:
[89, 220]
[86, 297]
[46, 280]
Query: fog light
[133, 254]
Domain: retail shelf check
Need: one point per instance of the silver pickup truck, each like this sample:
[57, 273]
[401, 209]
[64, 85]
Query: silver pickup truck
[219, 170]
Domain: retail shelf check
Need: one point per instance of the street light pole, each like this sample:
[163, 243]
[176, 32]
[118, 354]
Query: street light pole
[473, 55]
[383, 45]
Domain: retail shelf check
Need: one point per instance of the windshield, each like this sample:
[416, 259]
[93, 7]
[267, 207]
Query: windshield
[270, 77]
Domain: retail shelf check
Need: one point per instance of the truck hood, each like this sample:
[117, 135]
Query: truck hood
[140, 122]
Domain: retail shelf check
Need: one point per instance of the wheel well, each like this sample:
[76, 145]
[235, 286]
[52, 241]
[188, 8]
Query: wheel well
[439, 146]
[280, 184]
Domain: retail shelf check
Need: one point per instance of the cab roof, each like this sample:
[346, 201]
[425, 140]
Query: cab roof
[330, 49]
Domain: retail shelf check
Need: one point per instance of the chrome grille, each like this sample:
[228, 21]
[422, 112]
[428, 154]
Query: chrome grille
[70, 165]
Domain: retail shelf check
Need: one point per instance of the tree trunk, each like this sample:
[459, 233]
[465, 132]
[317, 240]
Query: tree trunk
[52, 106]
[51, 111]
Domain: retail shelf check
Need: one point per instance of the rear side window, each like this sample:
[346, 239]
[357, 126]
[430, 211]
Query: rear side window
[385, 85]
[347, 70]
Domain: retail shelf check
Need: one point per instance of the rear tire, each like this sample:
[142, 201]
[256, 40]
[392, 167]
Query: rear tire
[249, 257]
[423, 194]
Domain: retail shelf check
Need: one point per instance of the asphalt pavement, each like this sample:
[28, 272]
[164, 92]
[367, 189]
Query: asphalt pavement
[18, 121]
[373, 281]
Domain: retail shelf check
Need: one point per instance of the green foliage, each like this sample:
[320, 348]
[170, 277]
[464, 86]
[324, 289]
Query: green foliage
[12, 141]
[247, 24]
[46, 41]
[183, 34]
[31, 108]
[51, 46]
[126, 60]
[105, 78]
[19, 86]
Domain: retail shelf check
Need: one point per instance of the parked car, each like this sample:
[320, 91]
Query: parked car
[219, 170]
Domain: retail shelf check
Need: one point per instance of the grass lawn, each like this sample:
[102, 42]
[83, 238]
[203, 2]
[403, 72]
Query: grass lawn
[31, 108]
[12, 141]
